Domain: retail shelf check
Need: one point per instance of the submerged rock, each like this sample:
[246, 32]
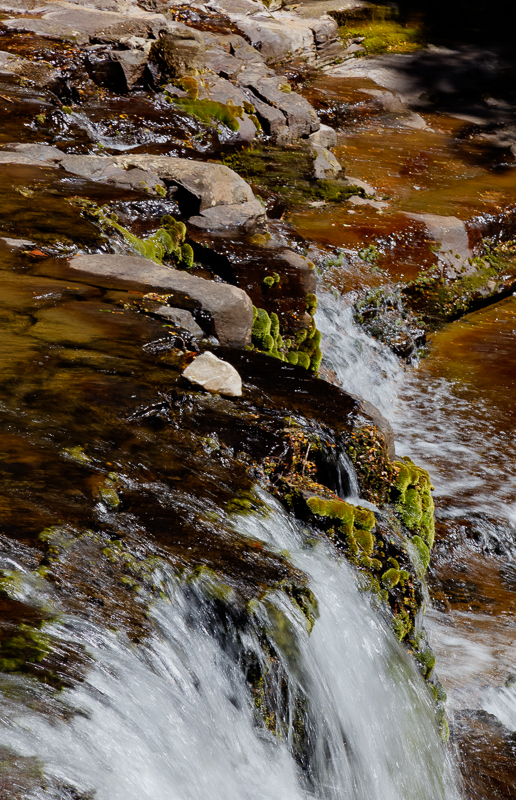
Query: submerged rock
[182, 319]
[214, 375]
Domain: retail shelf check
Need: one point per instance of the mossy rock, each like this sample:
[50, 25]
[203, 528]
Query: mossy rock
[414, 502]
[168, 240]
[210, 111]
[266, 336]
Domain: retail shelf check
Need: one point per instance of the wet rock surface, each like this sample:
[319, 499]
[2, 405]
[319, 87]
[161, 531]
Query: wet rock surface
[193, 135]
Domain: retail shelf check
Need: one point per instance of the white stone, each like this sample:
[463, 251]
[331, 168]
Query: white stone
[214, 375]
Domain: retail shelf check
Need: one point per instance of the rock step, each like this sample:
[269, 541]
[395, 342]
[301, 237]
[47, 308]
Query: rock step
[222, 309]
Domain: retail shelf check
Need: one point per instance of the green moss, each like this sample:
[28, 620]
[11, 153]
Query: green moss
[333, 508]
[305, 600]
[190, 86]
[27, 646]
[288, 171]
[168, 240]
[303, 360]
[187, 256]
[106, 492]
[266, 336]
[78, 455]
[427, 660]
[315, 360]
[271, 280]
[423, 551]
[311, 303]
[402, 624]
[210, 111]
[414, 502]
[439, 298]
[383, 32]
[364, 518]
[275, 326]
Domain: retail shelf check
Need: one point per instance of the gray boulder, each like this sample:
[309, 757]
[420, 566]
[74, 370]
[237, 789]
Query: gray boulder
[214, 375]
[212, 184]
[222, 63]
[222, 91]
[133, 63]
[325, 164]
[229, 308]
[271, 119]
[301, 118]
[324, 137]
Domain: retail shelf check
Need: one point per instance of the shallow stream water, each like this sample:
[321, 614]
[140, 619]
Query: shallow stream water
[152, 704]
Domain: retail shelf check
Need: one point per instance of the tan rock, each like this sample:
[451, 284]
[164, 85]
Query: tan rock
[214, 375]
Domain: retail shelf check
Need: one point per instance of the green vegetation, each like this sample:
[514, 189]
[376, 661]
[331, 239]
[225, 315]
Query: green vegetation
[209, 111]
[287, 171]
[303, 350]
[168, 240]
[414, 502]
[383, 32]
[438, 298]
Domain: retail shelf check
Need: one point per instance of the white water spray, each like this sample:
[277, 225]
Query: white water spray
[174, 718]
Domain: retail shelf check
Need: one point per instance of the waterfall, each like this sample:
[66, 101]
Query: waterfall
[174, 717]
[439, 428]
[363, 366]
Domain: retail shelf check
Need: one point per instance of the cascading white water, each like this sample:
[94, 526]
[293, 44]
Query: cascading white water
[363, 366]
[173, 717]
[433, 424]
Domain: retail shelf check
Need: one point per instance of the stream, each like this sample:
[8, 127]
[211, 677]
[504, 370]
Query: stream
[169, 629]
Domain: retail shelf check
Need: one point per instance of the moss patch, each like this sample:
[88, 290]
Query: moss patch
[210, 111]
[302, 350]
[287, 171]
[414, 502]
[168, 241]
[438, 298]
[383, 32]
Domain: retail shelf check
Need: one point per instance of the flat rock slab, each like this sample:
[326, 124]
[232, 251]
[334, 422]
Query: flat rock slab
[246, 216]
[224, 199]
[67, 21]
[214, 375]
[230, 310]
[212, 184]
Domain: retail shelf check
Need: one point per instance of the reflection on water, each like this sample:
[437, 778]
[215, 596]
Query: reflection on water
[442, 169]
